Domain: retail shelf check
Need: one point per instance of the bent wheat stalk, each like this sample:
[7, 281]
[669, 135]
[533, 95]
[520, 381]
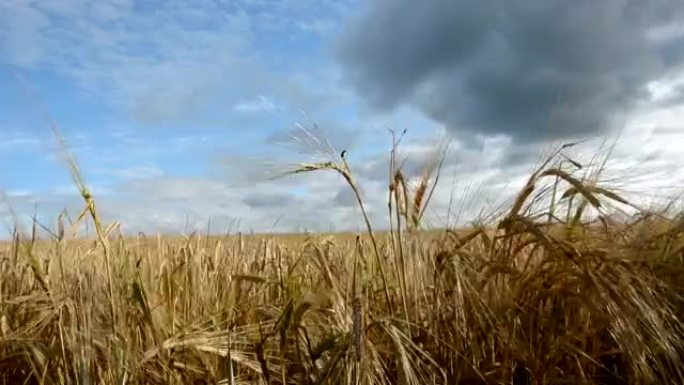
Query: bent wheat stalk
[344, 170]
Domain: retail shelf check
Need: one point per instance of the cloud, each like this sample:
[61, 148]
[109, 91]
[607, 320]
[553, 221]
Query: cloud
[260, 105]
[532, 70]
[14, 140]
[165, 204]
[272, 199]
[473, 179]
[176, 204]
[317, 26]
[345, 197]
[168, 62]
[160, 61]
[133, 172]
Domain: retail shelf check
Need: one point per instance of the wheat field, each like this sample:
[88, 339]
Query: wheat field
[531, 296]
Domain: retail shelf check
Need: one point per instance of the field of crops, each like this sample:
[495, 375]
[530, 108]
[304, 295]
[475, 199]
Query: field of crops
[556, 289]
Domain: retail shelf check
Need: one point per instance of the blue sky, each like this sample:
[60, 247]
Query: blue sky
[172, 108]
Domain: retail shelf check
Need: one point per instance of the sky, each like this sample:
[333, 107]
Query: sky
[177, 112]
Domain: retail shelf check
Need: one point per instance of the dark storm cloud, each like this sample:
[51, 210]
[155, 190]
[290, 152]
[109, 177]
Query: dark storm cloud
[532, 69]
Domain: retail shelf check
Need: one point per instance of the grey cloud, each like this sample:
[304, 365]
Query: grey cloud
[397, 45]
[345, 197]
[532, 70]
[674, 99]
[462, 157]
[270, 199]
[375, 168]
[673, 52]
